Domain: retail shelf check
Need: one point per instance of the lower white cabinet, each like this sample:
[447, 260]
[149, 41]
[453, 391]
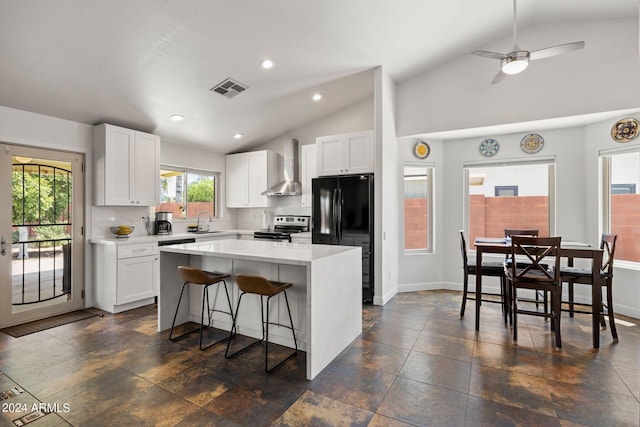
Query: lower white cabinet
[126, 276]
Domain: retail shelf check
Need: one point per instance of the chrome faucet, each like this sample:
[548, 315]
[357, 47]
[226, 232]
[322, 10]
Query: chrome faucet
[199, 227]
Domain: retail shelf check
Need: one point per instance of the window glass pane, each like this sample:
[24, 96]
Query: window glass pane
[525, 206]
[200, 194]
[187, 193]
[625, 205]
[416, 212]
[171, 192]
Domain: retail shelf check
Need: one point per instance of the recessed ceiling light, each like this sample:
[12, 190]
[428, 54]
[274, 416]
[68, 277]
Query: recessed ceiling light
[266, 64]
[316, 97]
[237, 135]
[176, 117]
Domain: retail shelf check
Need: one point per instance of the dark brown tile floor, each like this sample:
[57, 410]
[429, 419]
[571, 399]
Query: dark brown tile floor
[416, 363]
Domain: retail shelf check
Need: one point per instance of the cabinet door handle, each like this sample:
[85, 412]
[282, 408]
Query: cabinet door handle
[3, 246]
[139, 250]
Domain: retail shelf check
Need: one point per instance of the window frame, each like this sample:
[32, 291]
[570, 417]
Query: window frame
[431, 220]
[604, 199]
[550, 161]
[216, 189]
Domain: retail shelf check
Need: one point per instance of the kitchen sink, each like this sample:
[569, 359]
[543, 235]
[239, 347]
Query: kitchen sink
[206, 232]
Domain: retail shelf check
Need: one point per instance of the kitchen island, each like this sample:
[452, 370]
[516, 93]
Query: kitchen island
[325, 299]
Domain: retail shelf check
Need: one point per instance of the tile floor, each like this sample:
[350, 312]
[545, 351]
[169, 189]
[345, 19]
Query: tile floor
[416, 363]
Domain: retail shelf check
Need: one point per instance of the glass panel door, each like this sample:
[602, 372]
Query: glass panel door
[42, 250]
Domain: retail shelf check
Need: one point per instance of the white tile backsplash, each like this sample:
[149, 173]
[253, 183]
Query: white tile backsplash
[103, 217]
[251, 218]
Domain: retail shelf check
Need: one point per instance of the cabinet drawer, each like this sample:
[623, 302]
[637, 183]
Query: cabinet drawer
[131, 251]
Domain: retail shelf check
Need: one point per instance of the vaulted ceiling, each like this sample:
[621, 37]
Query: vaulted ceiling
[135, 63]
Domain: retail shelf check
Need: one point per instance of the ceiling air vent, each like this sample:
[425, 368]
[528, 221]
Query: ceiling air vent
[229, 88]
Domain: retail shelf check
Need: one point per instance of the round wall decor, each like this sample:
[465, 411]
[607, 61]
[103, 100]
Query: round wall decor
[489, 147]
[532, 143]
[421, 150]
[625, 130]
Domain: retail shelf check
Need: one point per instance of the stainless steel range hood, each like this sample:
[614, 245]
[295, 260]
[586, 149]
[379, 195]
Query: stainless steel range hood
[290, 186]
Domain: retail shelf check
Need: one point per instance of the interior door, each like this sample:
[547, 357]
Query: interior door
[41, 220]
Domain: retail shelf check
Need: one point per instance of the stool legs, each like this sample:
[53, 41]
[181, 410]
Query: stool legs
[205, 297]
[265, 333]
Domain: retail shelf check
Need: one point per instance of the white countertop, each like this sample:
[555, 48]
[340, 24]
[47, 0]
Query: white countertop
[111, 240]
[260, 250]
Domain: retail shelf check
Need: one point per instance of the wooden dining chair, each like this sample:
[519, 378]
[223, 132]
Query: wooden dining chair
[536, 276]
[493, 269]
[574, 275]
[533, 232]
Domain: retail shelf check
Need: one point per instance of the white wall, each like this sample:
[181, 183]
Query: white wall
[387, 187]
[413, 267]
[36, 130]
[356, 117]
[577, 204]
[458, 95]
[597, 137]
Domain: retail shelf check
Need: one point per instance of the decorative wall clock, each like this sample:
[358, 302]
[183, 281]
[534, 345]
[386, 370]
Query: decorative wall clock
[625, 130]
[421, 150]
[489, 147]
[532, 143]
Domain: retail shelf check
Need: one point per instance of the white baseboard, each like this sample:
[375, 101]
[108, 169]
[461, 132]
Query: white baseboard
[623, 309]
[382, 300]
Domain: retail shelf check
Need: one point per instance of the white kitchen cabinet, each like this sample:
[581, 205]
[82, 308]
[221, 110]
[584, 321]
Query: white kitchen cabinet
[127, 167]
[350, 153]
[248, 175]
[308, 172]
[126, 276]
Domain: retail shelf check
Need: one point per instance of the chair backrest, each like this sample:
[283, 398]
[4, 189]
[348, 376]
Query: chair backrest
[193, 275]
[536, 249]
[463, 250]
[608, 245]
[508, 232]
[254, 284]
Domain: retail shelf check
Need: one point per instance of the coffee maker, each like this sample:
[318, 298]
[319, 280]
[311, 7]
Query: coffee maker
[163, 222]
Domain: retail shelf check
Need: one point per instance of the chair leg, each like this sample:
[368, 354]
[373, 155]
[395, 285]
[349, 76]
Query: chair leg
[175, 316]
[514, 299]
[570, 289]
[465, 289]
[612, 320]
[556, 297]
[231, 334]
[266, 353]
[210, 318]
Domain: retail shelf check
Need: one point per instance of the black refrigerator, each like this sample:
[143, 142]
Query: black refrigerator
[343, 215]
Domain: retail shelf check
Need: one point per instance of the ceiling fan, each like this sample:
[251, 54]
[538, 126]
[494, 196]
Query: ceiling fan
[517, 60]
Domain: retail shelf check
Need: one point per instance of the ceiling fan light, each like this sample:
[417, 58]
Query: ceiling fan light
[515, 63]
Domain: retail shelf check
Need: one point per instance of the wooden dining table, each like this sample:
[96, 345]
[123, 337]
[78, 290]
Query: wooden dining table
[569, 250]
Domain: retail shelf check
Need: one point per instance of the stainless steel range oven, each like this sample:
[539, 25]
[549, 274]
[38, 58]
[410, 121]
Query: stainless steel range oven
[283, 227]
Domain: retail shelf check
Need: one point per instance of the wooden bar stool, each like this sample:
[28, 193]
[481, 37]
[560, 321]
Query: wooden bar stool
[262, 287]
[196, 276]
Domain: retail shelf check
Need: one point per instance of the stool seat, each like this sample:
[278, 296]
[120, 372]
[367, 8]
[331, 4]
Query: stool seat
[196, 276]
[262, 287]
[201, 277]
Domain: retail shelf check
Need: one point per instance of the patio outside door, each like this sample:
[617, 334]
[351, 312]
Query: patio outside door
[41, 247]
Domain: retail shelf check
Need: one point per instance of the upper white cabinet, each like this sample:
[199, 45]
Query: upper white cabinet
[127, 167]
[349, 153]
[308, 171]
[248, 175]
